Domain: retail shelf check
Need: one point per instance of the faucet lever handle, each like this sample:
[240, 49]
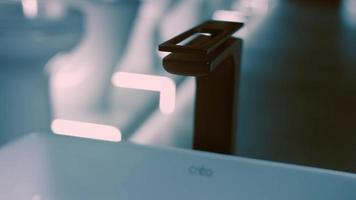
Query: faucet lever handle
[212, 35]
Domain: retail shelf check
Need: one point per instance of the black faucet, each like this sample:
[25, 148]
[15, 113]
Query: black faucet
[210, 53]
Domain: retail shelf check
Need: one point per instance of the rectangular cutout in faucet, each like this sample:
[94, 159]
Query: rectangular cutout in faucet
[194, 37]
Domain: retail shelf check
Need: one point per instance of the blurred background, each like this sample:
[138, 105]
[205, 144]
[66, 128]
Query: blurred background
[67, 64]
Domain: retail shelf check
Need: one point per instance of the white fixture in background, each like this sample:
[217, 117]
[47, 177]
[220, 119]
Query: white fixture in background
[163, 130]
[89, 66]
[164, 85]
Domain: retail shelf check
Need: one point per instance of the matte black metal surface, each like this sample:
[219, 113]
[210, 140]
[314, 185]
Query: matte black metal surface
[215, 61]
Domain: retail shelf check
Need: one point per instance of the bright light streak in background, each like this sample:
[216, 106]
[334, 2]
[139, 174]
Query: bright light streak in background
[30, 8]
[249, 12]
[164, 85]
[260, 6]
[229, 15]
[86, 130]
[233, 16]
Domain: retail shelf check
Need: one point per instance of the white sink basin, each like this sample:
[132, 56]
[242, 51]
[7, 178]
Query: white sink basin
[50, 167]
